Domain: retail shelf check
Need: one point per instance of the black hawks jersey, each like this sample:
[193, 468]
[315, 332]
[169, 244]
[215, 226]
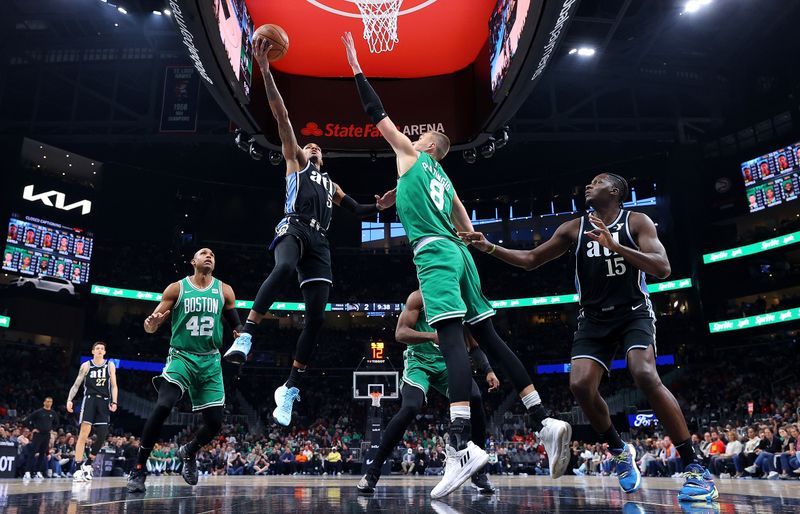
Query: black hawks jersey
[309, 195]
[604, 279]
[97, 380]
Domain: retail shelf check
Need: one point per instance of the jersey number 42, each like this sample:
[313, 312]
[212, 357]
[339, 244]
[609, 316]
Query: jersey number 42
[200, 326]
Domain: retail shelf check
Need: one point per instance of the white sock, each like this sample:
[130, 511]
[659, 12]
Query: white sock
[531, 399]
[459, 412]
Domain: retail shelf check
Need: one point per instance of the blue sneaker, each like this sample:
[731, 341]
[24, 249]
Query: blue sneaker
[699, 485]
[630, 479]
[237, 353]
[700, 507]
[284, 398]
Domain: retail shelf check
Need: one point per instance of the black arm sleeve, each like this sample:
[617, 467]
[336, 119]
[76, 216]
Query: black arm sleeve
[232, 317]
[362, 210]
[369, 99]
[480, 361]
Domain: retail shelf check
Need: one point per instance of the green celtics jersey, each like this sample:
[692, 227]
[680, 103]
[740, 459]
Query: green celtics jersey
[197, 318]
[425, 201]
[430, 350]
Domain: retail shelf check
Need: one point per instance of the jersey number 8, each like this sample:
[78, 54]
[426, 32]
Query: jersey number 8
[204, 327]
[437, 193]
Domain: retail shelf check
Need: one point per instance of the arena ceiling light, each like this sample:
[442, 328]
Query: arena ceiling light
[167, 12]
[122, 10]
[157, 13]
[692, 6]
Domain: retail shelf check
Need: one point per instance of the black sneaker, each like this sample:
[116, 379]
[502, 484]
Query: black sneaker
[368, 482]
[481, 482]
[136, 481]
[189, 468]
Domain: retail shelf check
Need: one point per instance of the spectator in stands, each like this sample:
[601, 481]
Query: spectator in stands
[420, 461]
[719, 464]
[287, 466]
[717, 445]
[674, 464]
[348, 462]
[493, 465]
[333, 462]
[748, 456]
[766, 451]
[787, 460]
[235, 462]
[408, 462]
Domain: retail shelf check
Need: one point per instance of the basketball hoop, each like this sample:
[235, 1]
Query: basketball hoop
[380, 23]
[376, 398]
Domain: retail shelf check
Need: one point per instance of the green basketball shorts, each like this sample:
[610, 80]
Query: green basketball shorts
[449, 282]
[199, 375]
[424, 371]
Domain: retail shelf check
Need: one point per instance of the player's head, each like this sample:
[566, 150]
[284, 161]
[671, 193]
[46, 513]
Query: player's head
[99, 349]
[9, 256]
[203, 260]
[26, 261]
[770, 194]
[606, 189]
[64, 242]
[12, 231]
[313, 153]
[76, 271]
[764, 168]
[48, 402]
[47, 239]
[29, 236]
[433, 143]
[783, 161]
[787, 186]
[752, 199]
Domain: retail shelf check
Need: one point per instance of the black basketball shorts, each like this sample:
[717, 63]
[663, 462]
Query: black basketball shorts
[600, 334]
[94, 410]
[315, 251]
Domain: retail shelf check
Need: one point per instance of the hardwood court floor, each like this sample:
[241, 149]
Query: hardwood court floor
[394, 495]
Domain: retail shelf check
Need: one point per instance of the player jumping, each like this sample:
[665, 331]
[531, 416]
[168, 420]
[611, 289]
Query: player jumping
[424, 367]
[614, 249]
[197, 304]
[429, 208]
[300, 244]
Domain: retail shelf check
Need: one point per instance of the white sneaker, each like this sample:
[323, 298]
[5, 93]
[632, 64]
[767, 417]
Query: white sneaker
[39, 474]
[27, 475]
[459, 466]
[773, 475]
[679, 475]
[88, 471]
[724, 475]
[555, 436]
[78, 476]
[751, 469]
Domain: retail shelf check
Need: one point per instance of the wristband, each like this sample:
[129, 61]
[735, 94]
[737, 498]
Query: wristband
[494, 247]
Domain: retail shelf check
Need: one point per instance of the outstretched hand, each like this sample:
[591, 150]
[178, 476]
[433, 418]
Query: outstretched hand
[601, 234]
[352, 55]
[153, 321]
[387, 200]
[476, 239]
[261, 47]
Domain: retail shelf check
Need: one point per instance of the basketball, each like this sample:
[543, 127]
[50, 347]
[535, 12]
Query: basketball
[277, 36]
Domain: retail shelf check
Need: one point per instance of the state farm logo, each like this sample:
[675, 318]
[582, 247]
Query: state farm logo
[311, 129]
[365, 131]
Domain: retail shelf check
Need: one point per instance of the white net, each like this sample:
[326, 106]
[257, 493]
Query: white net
[380, 23]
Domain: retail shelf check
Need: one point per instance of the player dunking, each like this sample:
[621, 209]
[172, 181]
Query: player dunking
[429, 208]
[424, 367]
[197, 304]
[99, 378]
[300, 243]
[614, 249]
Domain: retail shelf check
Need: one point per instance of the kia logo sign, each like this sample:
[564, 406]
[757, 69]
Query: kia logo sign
[56, 199]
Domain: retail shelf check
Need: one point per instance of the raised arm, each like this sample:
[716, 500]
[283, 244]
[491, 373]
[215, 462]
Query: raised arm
[295, 160]
[163, 309]
[112, 376]
[78, 381]
[400, 143]
[556, 246]
[651, 257]
[405, 332]
[362, 210]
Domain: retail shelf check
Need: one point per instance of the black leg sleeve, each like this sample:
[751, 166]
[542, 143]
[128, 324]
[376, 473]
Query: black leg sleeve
[454, 350]
[168, 396]
[478, 416]
[413, 398]
[488, 339]
[212, 423]
[100, 434]
[287, 253]
[315, 295]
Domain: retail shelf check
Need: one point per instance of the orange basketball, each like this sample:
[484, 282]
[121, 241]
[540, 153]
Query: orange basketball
[277, 36]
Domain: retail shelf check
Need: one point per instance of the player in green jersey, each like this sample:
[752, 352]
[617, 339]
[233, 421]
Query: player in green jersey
[424, 367]
[197, 305]
[431, 214]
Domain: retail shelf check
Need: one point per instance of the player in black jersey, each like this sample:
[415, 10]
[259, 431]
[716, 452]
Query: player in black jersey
[300, 243]
[99, 379]
[614, 249]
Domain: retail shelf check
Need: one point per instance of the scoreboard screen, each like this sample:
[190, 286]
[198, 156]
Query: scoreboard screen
[376, 352]
[772, 179]
[40, 247]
